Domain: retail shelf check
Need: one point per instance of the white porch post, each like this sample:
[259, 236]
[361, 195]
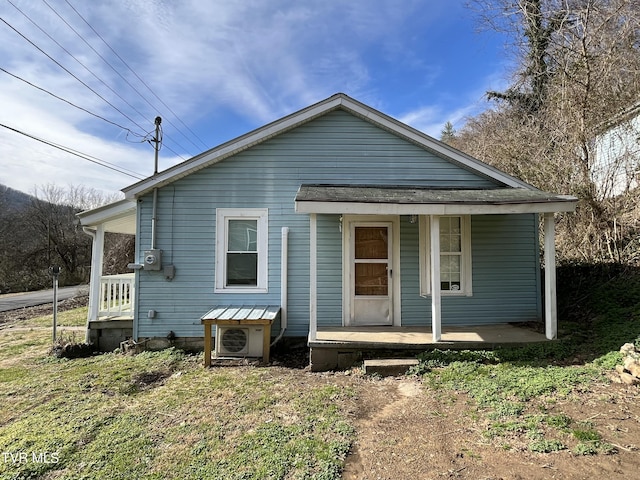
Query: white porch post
[313, 280]
[97, 253]
[436, 320]
[550, 306]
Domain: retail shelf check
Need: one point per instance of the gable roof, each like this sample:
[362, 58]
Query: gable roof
[335, 102]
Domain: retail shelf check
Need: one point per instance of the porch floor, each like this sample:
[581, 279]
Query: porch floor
[421, 337]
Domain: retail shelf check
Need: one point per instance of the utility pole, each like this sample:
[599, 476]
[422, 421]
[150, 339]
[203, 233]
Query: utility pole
[157, 140]
[154, 215]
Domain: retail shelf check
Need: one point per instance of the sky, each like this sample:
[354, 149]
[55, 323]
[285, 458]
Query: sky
[91, 77]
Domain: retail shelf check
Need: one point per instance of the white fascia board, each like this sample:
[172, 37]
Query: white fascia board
[431, 209]
[107, 213]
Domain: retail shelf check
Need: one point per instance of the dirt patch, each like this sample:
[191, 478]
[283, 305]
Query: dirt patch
[405, 431]
[73, 350]
[146, 380]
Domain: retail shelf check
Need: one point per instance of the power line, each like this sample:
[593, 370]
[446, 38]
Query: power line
[83, 83]
[74, 57]
[107, 62]
[71, 103]
[144, 137]
[139, 78]
[79, 80]
[84, 156]
[70, 73]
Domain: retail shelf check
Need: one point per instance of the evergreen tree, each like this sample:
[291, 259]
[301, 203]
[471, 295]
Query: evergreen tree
[448, 133]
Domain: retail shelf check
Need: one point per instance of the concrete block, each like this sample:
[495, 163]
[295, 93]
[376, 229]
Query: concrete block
[346, 360]
[323, 359]
[109, 339]
[388, 367]
[158, 343]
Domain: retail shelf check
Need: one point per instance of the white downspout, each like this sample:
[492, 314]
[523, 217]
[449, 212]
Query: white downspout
[283, 283]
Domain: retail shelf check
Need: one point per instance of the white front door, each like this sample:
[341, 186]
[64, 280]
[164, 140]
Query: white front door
[371, 273]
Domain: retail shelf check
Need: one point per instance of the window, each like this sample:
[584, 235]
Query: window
[455, 255]
[450, 253]
[241, 250]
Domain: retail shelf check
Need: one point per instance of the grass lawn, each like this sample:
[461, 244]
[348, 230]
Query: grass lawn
[160, 415]
[516, 389]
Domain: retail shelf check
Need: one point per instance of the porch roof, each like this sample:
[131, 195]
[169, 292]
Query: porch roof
[116, 217]
[409, 200]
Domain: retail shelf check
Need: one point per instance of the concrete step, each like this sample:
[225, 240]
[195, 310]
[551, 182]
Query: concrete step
[387, 367]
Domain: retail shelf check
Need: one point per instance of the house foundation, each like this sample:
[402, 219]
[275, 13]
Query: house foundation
[107, 335]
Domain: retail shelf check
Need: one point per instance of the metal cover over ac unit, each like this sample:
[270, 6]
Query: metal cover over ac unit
[239, 341]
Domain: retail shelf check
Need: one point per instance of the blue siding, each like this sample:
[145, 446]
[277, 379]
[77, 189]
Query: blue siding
[505, 275]
[415, 310]
[335, 148]
[329, 262]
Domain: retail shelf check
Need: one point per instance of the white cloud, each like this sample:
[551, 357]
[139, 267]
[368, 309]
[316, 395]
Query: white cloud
[255, 60]
[431, 118]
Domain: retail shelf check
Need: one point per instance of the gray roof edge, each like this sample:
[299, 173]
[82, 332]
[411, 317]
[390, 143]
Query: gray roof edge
[353, 194]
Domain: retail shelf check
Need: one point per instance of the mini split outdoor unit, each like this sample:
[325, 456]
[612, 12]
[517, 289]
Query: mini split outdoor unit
[239, 341]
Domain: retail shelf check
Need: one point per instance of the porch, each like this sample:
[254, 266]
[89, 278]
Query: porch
[341, 347]
[112, 322]
[444, 258]
[111, 297]
[485, 336]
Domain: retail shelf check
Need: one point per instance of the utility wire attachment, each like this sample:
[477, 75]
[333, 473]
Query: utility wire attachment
[157, 141]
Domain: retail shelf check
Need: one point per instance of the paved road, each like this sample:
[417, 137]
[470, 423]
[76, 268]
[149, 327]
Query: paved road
[14, 301]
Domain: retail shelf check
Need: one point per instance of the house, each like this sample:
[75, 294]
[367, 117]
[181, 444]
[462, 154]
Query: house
[616, 166]
[338, 224]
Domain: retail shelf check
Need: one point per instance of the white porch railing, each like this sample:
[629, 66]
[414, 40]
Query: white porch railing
[117, 295]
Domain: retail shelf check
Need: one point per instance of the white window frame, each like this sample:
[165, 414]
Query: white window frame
[223, 215]
[466, 275]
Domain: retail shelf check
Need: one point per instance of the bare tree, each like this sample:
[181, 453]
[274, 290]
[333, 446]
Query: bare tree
[578, 68]
[46, 232]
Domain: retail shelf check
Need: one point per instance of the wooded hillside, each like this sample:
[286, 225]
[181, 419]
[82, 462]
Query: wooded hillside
[577, 71]
[41, 230]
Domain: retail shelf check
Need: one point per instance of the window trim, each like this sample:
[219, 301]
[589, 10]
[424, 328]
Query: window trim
[223, 215]
[466, 275]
